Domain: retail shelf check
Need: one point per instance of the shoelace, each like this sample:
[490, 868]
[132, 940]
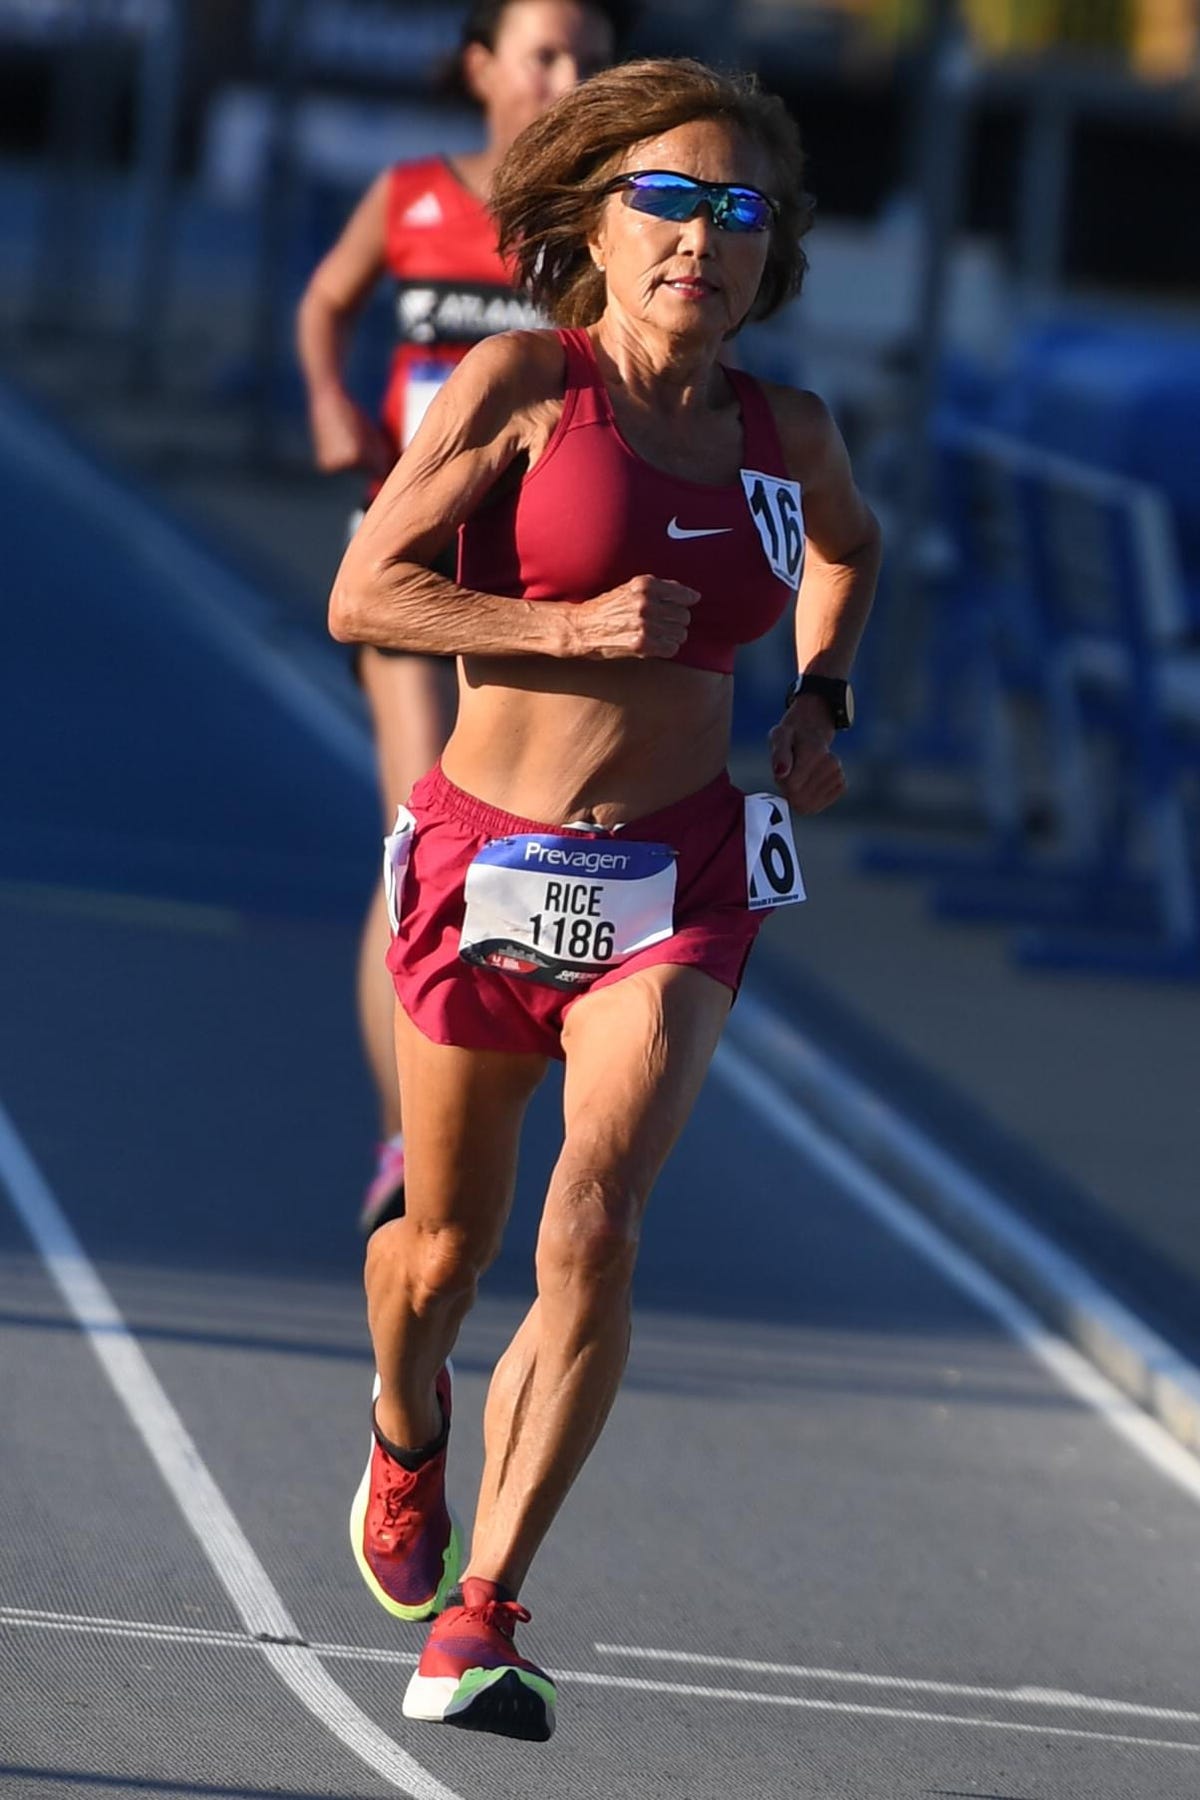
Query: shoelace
[401, 1514]
[500, 1615]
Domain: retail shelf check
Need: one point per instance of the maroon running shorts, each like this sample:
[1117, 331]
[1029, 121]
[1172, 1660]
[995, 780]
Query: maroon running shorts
[452, 1001]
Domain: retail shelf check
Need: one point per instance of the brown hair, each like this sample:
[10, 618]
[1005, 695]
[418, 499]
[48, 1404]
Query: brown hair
[547, 198]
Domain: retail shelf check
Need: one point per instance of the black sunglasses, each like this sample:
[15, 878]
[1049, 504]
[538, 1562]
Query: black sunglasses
[666, 195]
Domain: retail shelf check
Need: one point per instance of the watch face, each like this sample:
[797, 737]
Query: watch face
[849, 704]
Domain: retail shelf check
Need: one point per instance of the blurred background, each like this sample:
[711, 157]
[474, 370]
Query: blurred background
[1003, 310]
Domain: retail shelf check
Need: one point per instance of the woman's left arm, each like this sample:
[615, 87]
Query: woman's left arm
[841, 565]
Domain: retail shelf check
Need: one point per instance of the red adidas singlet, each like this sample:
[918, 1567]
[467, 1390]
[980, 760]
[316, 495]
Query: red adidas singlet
[451, 287]
[592, 514]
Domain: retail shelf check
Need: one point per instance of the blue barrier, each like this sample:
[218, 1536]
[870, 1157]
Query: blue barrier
[1117, 397]
[1077, 658]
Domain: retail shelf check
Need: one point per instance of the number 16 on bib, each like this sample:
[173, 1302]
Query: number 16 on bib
[772, 867]
[777, 511]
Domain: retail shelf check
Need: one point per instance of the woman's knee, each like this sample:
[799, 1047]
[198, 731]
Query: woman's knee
[590, 1233]
[439, 1265]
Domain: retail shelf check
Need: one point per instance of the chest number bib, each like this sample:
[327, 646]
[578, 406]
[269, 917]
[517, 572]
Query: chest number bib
[561, 910]
[775, 508]
[426, 379]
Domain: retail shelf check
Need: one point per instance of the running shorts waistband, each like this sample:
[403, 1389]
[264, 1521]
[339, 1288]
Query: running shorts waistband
[436, 791]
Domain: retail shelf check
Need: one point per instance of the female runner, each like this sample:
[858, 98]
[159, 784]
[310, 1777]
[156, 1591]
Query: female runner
[579, 878]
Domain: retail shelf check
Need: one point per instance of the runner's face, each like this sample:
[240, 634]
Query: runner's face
[543, 49]
[689, 278]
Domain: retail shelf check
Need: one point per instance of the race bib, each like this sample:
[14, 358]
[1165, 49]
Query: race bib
[561, 910]
[772, 867]
[397, 848]
[775, 508]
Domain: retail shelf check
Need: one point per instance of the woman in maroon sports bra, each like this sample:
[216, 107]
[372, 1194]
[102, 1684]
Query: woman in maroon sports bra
[579, 878]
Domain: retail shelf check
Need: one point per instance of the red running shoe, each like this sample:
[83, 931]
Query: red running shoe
[470, 1674]
[405, 1542]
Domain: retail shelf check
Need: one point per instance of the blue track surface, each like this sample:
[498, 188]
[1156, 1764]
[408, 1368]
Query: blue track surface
[138, 754]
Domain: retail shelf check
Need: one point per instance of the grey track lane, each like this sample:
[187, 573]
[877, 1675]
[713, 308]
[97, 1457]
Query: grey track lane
[823, 1457]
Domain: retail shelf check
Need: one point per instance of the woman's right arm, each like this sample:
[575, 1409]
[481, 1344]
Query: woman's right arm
[343, 436]
[500, 404]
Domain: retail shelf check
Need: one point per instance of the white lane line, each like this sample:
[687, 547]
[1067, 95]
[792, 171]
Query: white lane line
[1025, 1695]
[1110, 1335]
[197, 1637]
[33, 1618]
[846, 1708]
[197, 1495]
[802, 1703]
[1080, 1377]
[636, 1684]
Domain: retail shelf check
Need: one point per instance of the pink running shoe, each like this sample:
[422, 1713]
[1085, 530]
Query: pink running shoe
[384, 1198]
[405, 1542]
[470, 1674]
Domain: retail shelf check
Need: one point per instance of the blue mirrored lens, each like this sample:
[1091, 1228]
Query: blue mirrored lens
[672, 197]
[666, 199]
[742, 210]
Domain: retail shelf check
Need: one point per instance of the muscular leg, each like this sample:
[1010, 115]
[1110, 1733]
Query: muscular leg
[421, 1273]
[412, 709]
[637, 1053]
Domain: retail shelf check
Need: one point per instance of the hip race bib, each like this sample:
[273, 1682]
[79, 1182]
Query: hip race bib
[397, 849]
[561, 909]
[773, 875]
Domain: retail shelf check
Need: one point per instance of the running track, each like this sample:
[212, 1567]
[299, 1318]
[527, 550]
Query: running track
[848, 1533]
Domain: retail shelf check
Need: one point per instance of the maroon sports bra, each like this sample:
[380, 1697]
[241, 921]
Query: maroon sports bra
[592, 514]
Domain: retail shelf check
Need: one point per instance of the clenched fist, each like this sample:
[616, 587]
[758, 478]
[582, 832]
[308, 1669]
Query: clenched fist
[644, 617]
[807, 773]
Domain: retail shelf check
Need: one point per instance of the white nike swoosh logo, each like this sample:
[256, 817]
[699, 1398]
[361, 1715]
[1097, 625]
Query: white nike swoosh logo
[676, 530]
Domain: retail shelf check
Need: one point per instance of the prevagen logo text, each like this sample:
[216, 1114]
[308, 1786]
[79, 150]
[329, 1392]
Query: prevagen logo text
[585, 862]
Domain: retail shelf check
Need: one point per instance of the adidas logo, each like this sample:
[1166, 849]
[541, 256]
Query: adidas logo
[425, 211]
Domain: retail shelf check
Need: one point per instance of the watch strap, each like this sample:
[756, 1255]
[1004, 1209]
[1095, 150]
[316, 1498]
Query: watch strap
[830, 688]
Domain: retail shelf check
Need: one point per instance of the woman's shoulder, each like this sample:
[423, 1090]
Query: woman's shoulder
[508, 387]
[526, 366]
[806, 427]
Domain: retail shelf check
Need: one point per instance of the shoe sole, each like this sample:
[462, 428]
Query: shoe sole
[451, 1556]
[507, 1702]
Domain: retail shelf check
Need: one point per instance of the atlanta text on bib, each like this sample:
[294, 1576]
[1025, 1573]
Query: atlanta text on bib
[561, 910]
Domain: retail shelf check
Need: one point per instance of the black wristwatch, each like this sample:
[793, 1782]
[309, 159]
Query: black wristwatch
[837, 695]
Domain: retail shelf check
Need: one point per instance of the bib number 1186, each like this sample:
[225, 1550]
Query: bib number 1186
[582, 940]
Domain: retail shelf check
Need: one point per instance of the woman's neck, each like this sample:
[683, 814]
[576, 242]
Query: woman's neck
[661, 372]
[475, 168]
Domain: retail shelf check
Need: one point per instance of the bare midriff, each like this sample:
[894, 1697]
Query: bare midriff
[557, 740]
